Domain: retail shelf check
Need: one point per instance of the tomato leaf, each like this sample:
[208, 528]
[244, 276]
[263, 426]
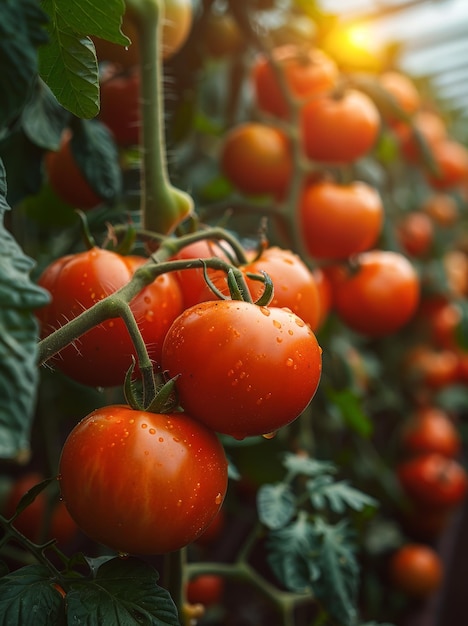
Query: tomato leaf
[297, 465]
[292, 554]
[43, 119]
[324, 490]
[319, 558]
[68, 62]
[18, 336]
[21, 32]
[97, 157]
[461, 330]
[28, 597]
[276, 505]
[125, 589]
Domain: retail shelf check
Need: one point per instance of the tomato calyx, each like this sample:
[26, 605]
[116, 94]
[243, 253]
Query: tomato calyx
[155, 395]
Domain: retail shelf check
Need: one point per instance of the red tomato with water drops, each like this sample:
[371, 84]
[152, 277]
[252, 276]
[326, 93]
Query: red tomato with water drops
[242, 369]
[141, 482]
[102, 356]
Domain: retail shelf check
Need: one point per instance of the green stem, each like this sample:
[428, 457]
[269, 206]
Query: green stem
[162, 206]
[174, 578]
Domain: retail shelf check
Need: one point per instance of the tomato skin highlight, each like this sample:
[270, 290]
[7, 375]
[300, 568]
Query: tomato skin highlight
[244, 370]
[142, 482]
[340, 220]
[102, 356]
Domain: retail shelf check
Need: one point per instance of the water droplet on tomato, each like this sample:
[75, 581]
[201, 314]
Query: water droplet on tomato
[218, 499]
[279, 340]
[269, 435]
[161, 439]
[179, 502]
[265, 310]
[299, 322]
[123, 555]
[276, 324]
[289, 362]
[144, 425]
[152, 431]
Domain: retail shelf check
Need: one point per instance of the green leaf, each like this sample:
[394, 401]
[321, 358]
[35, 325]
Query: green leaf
[349, 406]
[21, 33]
[97, 157]
[27, 597]
[337, 585]
[324, 490]
[68, 62]
[18, 337]
[125, 589]
[292, 555]
[23, 164]
[461, 331]
[43, 119]
[276, 505]
[300, 465]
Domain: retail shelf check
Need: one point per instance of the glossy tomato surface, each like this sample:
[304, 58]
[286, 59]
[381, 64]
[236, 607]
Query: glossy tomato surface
[294, 284]
[339, 129]
[243, 369]
[380, 296]
[142, 482]
[102, 356]
[120, 106]
[340, 220]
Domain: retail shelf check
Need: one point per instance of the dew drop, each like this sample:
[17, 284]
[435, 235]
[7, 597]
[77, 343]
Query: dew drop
[147, 299]
[123, 555]
[132, 421]
[276, 324]
[269, 435]
[111, 324]
[218, 499]
[299, 322]
[152, 431]
[161, 439]
[179, 502]
[230, 373]
[149, 316]
[289, 362]
[290, 332]
[144, 425]
[265, 310]
[279, 340]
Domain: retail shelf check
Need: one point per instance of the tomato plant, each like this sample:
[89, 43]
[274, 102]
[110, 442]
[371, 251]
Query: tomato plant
[415, 232]
[416, 569]
[181, 470]
[263, 369]
[102, 356]
[402, 89]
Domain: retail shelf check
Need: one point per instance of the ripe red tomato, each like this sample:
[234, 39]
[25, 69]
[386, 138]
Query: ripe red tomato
[433, 480]
[451, 159]
[102, 356]
[257, 158]
[192, 281]
[430, 429]
[339, 128]
[444, 322]
[206, 589]
[415, 232]
[307, 73]
[380, 296]
[402, 89]
[294, 284]
[258, 370]
[177, 22]
[65, 177]
[340, 220]
[142, 482]
[416, 569]
[120, 106]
